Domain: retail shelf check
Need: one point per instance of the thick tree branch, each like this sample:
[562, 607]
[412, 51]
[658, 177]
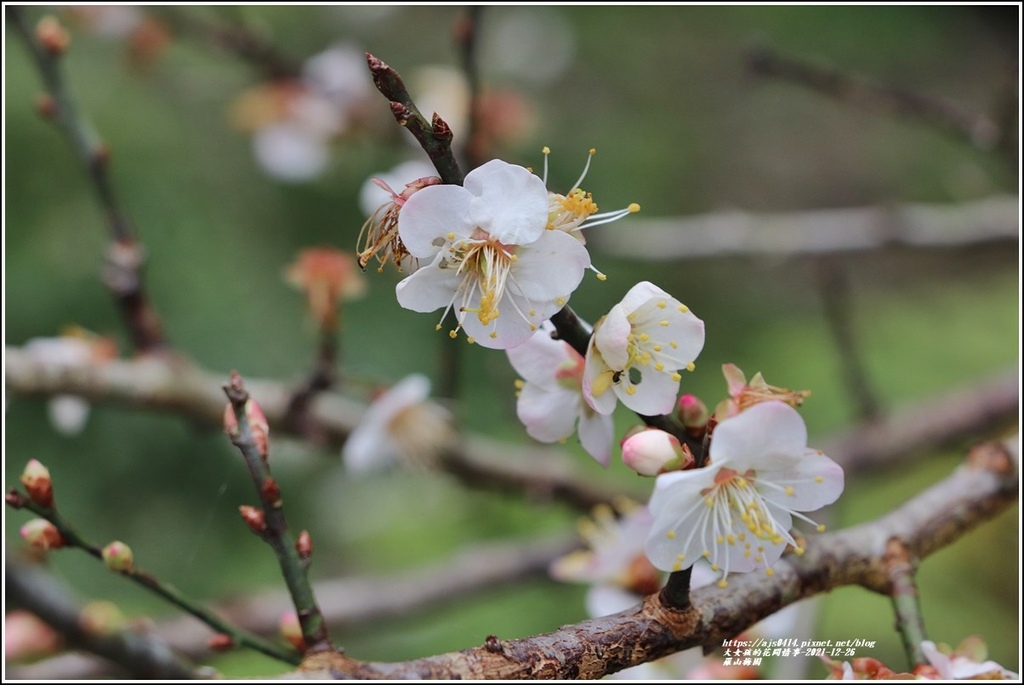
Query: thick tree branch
[175, 385]
[982, 488]
[738, 233]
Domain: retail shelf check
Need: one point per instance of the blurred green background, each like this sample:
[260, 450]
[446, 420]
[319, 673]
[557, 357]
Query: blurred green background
[680, 126]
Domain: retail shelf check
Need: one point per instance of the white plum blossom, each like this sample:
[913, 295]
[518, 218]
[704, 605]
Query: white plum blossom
[550, 402]
[486, 254]
[736, 511]
[637, 350]
[962, 666]
[400, 426]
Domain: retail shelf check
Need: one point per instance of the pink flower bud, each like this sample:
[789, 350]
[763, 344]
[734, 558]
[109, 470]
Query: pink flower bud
[220, 642]
[118, 557]
[693, 414]
[52, 36]
[651, 452]
[230, 422]
[291, 630]
[304, 545]
[41, 534]
[36, 479]
[253, 518]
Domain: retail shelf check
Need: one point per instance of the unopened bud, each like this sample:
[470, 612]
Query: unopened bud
[36, 479]
[52, 36]
[220, 642]
[41, 534]
[291, 630]
[271, 492]
[46, 107]
[259, 427]
[653, 451]
[101, 618]
[253, 518]
[304, 545]
[118, 557]
[693, 414]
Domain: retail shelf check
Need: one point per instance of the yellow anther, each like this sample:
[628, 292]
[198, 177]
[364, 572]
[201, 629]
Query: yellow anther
[520, 383]
[723, 583]
[716, 568]
[644, 337]
[470, 339]
[661, 305]
[593, 150]
[731, 539]
[437, 327]
[799, 551]
[676, 377]
[656, 348]
[681, 557]
[821, 527]
[453, 334]
[720, 539]
[769, 572]
[560, 301]
[708, 501]
[663, 322]
[631, 390]
[819, 479]
[545, 150]
[659, 367]
[790, 490]
[673, 344]
[451, 236]
[494, 334]
[691, 366]
[671, 535]
[533, 326]
[601, 276]
[633, 207]
[706, 553]
[677, 566]
[683, 308]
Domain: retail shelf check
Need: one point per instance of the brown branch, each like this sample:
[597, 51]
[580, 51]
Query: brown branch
[175, 385]
[982, 488]
[819, 231]
[901, 568]
[976, 129]
[125, 257]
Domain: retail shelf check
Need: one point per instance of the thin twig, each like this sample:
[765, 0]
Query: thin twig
[435, 137]
[125, 256]
[294, 568]
[905, 601]
[834, 286]
[976, 129]
[467, 32]
[72, 538]
[236, 38]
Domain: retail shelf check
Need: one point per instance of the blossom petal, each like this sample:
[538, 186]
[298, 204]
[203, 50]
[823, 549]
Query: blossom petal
[509, 330]
[597, 434]
[551, 266]
[431, 213]
[677, 507]
[611, 338]
[754, 438]
[508, 202]
[597, 382]
[428, 288]
[640, 293]
[812, 482]
[549, 415]
[539, 358]
[654, 395]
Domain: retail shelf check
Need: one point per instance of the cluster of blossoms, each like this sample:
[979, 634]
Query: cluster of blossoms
[969, 661]
[502, 254]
